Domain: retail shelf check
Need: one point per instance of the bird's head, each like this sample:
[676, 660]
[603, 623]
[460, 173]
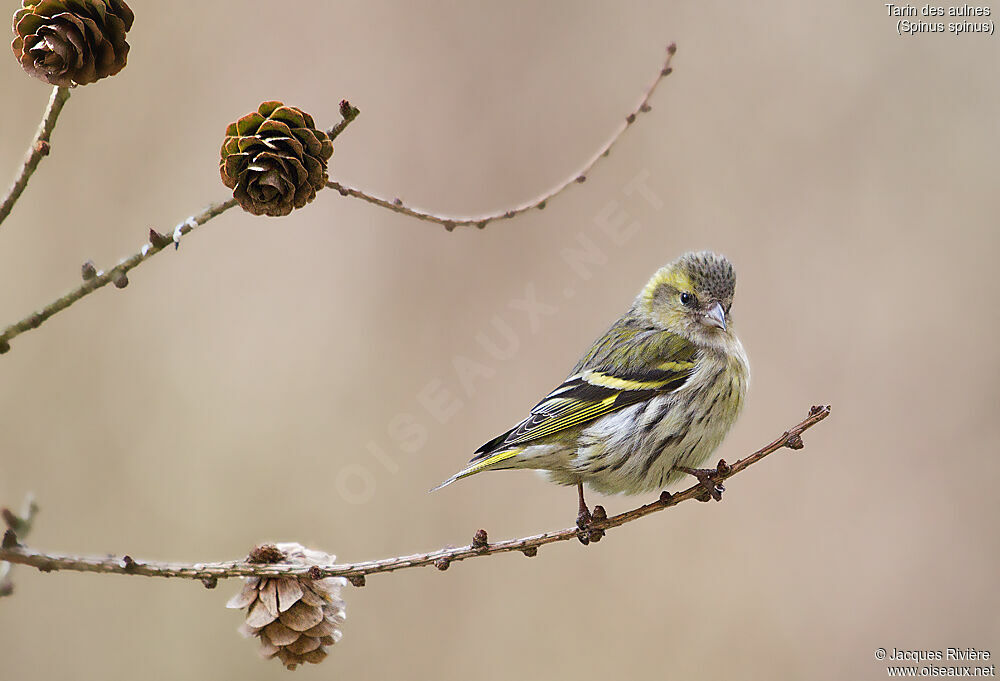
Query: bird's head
[691, 297]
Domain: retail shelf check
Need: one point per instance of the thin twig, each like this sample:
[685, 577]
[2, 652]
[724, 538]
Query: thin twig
[356, 572]
[20, 525]
[347, 114]
[117, 275]
[95, 279]
[39, 148]
[450, 223]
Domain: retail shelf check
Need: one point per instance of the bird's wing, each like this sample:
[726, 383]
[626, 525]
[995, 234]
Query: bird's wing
[607, 379]
[627, 365]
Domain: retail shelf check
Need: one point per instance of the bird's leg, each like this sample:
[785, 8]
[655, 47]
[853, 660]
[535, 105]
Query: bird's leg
[583, 518]
[710, 479]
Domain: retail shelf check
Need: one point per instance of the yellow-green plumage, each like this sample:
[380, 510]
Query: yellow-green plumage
[657, 392]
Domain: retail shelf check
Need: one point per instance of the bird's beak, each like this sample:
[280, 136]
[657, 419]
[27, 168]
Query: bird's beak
[716, 317]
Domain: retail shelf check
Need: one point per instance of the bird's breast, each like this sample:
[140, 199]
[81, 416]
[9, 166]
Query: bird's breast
[639, 448]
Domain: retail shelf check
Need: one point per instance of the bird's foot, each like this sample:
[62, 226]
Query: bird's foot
[586, 531]
[710, 480]
[599, 516]
[583, 520]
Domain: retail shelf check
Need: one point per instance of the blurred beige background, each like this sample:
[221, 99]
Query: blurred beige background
[246, 388]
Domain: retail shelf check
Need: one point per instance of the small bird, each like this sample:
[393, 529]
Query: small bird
[649, 402]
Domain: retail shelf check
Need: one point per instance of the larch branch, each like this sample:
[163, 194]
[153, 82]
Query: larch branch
[93, 279]
[210, 573]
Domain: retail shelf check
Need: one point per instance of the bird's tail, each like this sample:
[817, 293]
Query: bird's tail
[478, 465]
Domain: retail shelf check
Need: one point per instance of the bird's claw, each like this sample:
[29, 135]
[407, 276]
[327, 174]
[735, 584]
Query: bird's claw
[585, 521]
[600, 515]
[710, 480]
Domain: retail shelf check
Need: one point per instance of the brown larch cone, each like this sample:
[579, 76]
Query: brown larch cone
[72, 41]
[274, 159]
[295, 618]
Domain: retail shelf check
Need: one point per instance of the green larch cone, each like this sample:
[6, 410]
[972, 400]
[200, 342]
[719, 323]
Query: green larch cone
[67, 42]
[274, 159]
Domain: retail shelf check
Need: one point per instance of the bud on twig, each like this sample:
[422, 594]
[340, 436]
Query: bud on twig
[158, 240]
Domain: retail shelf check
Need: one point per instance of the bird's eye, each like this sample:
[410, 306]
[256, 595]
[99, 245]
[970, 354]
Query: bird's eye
[687, 299]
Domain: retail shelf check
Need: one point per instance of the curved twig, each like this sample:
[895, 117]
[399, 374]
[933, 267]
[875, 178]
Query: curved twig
[209, 573]
[480, 221]
[39, 148]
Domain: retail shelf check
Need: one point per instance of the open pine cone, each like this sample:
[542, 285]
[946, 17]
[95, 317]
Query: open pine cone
[274, 159]
[295, 618]
[72, 41]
